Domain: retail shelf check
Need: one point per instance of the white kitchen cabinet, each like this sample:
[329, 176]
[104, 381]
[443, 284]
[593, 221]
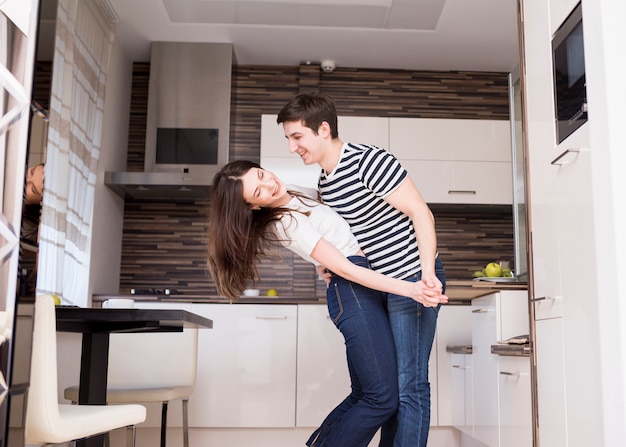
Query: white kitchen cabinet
[364, 130]
[495, 317]
[551, 383]
[456, 161]
[153, 409]
[322, 370]
[454, 328]
[450, 139]
[515, 406]
[462, 402]
[485, 332]
[469, 182]
[246, 367]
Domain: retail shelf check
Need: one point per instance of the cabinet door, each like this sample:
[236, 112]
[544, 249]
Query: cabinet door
[551, 382]
[153, 409]
[364, 130]
[246, 367]
[323, 380]
[515, 402]
[457, 391]
[450, 139]
[462, 181]
[485, 323]
[454, 328]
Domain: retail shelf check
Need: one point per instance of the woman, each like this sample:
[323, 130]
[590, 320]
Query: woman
[251, 210]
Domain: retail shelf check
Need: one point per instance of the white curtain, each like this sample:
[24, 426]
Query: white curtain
[84, 37]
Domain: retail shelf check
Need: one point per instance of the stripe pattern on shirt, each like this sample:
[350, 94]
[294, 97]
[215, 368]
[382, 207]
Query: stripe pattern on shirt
[356, 189]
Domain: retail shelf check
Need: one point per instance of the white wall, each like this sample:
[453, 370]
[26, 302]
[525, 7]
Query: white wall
[108, 218]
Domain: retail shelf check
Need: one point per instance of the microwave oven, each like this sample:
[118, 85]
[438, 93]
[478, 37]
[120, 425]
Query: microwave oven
[569, 80]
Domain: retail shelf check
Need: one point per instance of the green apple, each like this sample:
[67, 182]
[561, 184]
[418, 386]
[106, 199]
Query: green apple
[493, 270]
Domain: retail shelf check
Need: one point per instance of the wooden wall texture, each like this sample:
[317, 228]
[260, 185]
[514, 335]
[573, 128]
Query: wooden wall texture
[164, 243]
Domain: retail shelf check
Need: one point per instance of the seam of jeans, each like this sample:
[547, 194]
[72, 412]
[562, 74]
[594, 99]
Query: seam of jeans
[339, 303]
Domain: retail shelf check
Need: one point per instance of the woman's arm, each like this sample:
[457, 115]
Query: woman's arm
[327, 255]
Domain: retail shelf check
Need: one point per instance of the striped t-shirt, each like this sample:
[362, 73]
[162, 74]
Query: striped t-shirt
[356, 189]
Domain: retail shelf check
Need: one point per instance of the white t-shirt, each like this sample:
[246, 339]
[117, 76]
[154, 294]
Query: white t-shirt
[301, 233]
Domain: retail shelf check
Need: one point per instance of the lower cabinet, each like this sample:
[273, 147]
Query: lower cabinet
[515, 406]
[322, 380]
[284, 366]
[246, 367]
[551, 382]
[461, 391]
[494, 390]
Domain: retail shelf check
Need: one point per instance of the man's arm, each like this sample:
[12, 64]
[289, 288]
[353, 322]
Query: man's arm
[407, 198]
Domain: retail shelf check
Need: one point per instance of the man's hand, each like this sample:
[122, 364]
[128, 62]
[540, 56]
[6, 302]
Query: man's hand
[323, 274]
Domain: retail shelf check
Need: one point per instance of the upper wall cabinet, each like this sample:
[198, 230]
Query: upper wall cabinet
[456, 161]
[451, 161]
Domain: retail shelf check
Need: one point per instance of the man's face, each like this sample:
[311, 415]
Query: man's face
[34, 185]
[303, 141]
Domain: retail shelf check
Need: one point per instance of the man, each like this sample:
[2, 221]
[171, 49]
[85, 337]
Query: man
[395, 228]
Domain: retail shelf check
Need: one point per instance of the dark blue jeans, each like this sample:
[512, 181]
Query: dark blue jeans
[413, 327]
[360, 314]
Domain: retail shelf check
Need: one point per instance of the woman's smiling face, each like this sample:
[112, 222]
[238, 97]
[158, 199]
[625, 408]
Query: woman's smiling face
[262, 189]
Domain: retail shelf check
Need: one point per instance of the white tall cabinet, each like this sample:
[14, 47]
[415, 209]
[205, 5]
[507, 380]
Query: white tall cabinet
[563, 249]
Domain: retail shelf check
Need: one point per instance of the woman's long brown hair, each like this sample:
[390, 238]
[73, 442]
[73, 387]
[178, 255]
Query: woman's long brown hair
[238, 235]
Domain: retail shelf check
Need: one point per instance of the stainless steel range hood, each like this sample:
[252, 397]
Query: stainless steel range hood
[157, 186]
[190, 85]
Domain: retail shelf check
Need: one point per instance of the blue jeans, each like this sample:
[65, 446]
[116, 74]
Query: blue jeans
[360, 314]
[413, 327]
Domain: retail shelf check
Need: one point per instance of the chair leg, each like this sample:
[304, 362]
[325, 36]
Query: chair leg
[163, 422]
[131, 434]
[185, 424]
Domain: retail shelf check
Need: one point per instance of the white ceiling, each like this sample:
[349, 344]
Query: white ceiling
[468, 35]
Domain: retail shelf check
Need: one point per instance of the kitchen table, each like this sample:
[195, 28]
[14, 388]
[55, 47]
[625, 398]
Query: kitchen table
[95, 325]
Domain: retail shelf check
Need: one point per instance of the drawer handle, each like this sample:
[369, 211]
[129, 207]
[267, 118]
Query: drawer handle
[271, 317]
[460, 367]
[461, 191]
[480, 311]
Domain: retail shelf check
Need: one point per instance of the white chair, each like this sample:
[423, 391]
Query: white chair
[47, 421]
[151, 368]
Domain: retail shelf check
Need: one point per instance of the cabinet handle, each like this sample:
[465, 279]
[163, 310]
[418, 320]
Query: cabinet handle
[460, 367]
[480, 311]
[513, 374]
[461, 191]
[566, 157]
[271, 317]
[545, 298]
